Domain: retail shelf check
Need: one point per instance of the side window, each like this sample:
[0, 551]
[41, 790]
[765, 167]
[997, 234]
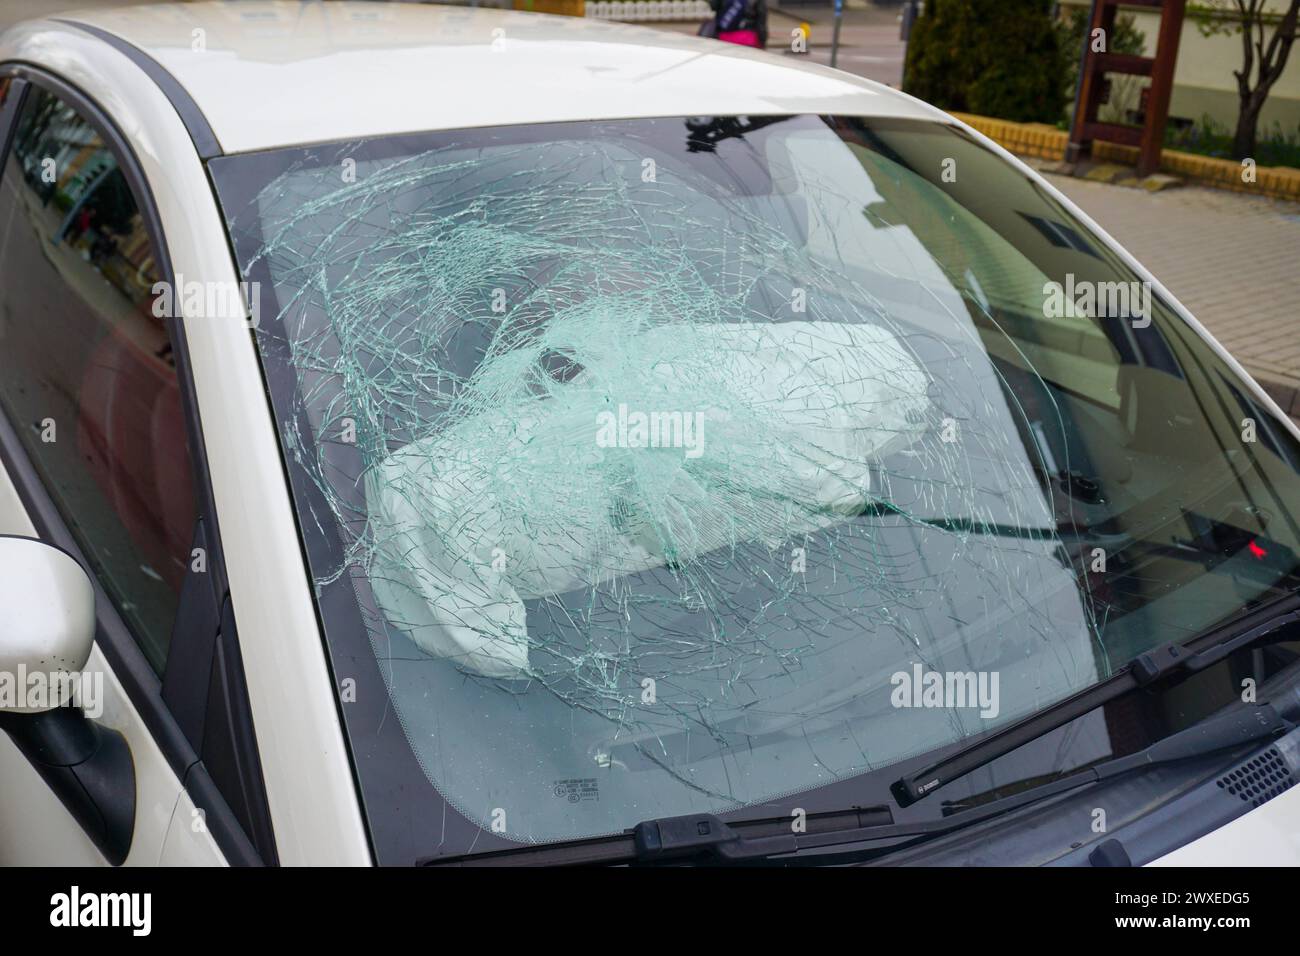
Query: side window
[87, 374]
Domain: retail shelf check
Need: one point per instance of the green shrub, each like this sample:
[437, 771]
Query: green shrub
[997, 58]
[1275, 146]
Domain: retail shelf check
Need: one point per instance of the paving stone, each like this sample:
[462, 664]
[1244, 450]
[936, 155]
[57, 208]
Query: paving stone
[1108, 173]
[1158, 181]
[1232, 259]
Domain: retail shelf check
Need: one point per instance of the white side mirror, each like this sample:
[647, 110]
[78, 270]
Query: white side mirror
[47, 623]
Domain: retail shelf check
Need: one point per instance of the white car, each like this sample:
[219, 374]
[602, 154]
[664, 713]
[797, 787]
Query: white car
[454, 436]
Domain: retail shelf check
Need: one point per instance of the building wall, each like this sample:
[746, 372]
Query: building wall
[1203, 80]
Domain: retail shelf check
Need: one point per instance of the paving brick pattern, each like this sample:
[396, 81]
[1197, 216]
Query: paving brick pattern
[1233, 260]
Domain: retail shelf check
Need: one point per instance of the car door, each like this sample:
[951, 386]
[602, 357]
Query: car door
[101, 454]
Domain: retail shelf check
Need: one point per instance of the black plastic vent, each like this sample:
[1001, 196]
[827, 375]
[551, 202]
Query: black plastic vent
[1259, 779]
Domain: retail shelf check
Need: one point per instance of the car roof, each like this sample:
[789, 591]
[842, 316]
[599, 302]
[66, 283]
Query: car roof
[268, 74]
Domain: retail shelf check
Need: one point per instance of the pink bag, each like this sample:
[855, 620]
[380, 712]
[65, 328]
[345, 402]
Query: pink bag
[743, 37]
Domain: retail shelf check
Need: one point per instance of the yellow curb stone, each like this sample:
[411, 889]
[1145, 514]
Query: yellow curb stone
[1048, 142]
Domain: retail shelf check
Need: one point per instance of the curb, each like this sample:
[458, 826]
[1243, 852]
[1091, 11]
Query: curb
[1048, 142]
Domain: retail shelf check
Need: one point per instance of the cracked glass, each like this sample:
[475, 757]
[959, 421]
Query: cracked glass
[636, 460]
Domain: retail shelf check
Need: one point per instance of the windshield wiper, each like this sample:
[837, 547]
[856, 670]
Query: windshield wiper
[1267, 624]
[703, 837]
[678, 838]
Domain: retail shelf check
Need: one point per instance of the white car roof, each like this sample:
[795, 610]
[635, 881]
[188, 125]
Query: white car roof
[268, 74]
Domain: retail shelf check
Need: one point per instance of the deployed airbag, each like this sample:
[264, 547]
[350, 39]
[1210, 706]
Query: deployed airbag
[538, 486]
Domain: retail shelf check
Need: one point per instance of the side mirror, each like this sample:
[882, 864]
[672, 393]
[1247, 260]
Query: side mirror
[47, 622]
[47, 628]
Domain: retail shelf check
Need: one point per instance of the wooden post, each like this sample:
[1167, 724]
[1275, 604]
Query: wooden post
[1092, 79]
[1162, 86]
[1083, 87]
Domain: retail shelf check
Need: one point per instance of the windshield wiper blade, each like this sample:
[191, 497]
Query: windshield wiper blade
[1233, 727]
[1158, 664]
[703, 837]
[696, 836]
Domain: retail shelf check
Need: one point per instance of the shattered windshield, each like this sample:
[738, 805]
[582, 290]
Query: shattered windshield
[680, 465]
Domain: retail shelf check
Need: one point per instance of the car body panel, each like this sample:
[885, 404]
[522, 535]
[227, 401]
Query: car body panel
[1269, 835]
[310, 791]
[179, 847]
[35, 828]
[275, 74]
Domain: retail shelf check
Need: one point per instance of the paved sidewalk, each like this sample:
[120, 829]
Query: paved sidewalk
[1233, 260]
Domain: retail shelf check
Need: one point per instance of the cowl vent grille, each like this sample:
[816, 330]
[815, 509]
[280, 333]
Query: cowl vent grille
[1259, 779]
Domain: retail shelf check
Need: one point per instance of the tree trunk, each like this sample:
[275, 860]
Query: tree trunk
[1243, 141]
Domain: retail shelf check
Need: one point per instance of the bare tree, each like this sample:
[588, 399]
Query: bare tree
[1263, 56]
